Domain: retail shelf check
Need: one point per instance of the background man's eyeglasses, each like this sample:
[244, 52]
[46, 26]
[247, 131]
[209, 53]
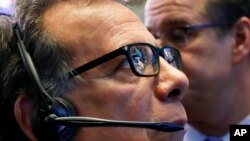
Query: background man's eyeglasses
[180, 36]
[143, 59]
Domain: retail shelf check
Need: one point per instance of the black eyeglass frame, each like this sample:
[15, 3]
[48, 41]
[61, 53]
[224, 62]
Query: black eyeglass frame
[189, 27]
[197, 26]
[74, 121]
[124, 51]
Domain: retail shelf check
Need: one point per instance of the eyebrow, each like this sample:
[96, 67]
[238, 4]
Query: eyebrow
[174, 22]
[169, 23]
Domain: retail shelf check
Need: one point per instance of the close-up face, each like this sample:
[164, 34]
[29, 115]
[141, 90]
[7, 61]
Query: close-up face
[111, 90]
[206, 56]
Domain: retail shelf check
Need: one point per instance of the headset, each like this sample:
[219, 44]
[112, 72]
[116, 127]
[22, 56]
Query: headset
[50, 105]
[61, 113]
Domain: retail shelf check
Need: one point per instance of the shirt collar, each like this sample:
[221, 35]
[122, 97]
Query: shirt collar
[193, 134]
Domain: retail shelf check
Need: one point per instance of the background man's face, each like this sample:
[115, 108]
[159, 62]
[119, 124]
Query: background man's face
[206, 58]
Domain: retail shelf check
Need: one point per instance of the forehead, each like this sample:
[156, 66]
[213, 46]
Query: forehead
[90, 19]
[162, 11]
[98, 28]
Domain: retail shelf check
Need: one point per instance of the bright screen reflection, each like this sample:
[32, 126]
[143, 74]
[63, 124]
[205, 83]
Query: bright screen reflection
[6, 7]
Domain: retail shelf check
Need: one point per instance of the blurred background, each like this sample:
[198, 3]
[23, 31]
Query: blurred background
[137, 6]
[6, 7]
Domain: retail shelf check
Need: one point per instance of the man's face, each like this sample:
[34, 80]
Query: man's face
[206, 57]
[111, 90]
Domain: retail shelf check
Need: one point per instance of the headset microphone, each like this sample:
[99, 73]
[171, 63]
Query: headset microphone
[61, 113]
[97, 122]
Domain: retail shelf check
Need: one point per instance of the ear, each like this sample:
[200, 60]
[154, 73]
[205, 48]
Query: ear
[242, 40]
[22, 112]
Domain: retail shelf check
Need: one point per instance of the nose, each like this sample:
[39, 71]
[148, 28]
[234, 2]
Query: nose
[171, 84]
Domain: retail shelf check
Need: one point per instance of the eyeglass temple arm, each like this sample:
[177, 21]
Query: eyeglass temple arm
[95, 63]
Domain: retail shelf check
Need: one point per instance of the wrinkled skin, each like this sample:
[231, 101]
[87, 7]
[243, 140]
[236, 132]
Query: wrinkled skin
[111, 90]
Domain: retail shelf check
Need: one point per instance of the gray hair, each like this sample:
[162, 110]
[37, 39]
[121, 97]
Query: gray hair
[50, 58]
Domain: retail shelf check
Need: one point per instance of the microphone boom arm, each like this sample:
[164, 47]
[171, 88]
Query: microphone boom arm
[97, 122]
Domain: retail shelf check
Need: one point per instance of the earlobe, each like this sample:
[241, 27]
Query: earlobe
[242, 40]
[22, 112]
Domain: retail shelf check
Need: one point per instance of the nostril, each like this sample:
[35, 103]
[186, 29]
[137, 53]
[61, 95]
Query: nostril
[174, 94]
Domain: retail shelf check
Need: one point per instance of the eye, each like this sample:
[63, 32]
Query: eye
[123, 72]
[176, 36]
[124, 67]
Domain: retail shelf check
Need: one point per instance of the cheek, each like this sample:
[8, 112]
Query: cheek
[206, 62]
[111, 99]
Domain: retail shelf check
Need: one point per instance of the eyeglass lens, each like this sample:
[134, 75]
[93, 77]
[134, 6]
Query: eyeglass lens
[145, 59]
[180, 36]
[173, 57]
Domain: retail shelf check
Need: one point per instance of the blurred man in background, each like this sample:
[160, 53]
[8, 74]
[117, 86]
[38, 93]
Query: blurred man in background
[213, 37]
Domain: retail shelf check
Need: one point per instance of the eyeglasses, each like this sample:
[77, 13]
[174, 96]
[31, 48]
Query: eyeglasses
[67, 123]
[180, 36]
[143, 59]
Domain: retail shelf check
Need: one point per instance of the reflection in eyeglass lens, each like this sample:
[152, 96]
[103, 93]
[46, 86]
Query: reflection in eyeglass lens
[142, 59]
[172, 58]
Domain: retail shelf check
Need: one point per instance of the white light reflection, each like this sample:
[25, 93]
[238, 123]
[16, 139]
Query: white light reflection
[6, 7]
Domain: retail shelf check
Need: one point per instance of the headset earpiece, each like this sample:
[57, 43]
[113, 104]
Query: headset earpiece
[63, 108]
